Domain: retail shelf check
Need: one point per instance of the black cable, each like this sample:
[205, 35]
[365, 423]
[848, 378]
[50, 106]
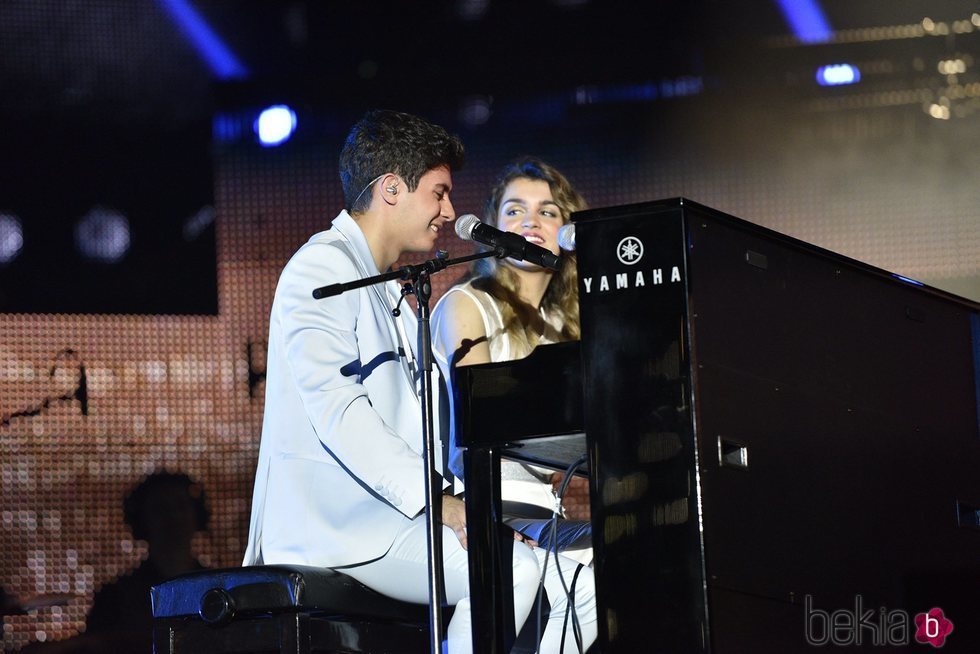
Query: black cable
[569, 593]
[564, 626]
[569, 596]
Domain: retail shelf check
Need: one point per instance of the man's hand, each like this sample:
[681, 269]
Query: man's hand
[454, 517]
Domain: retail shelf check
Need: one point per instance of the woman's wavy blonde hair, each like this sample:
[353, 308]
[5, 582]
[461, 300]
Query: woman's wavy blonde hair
[561, 297]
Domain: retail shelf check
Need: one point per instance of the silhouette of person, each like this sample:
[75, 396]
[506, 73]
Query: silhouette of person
[166, 509]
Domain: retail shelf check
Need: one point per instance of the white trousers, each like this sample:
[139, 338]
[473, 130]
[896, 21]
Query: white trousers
[402, 573]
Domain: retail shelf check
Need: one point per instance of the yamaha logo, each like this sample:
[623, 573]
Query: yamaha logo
[629, 250]
[638, 279]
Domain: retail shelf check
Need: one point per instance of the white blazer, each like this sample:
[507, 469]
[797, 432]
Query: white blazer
[340, 466]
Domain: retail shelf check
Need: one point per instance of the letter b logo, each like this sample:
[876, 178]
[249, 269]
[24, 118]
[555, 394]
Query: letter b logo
[932, 627]
[817, 624]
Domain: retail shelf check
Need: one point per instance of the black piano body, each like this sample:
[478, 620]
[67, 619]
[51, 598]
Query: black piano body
[783, 442]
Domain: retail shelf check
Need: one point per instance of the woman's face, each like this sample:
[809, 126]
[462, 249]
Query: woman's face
[527, 208]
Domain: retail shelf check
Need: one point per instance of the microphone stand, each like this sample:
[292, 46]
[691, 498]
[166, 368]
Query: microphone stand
[416, 278]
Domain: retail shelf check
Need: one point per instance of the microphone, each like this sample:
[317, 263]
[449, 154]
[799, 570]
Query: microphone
[566, 237]
[514, 246]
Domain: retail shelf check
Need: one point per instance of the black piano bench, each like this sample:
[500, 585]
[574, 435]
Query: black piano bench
[282, 608]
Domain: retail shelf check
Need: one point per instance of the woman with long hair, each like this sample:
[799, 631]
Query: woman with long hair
[502, 309]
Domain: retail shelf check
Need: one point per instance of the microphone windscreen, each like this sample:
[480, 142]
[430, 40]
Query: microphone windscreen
[465, 225]
[566, 237]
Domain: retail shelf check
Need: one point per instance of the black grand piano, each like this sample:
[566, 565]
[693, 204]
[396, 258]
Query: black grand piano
[783, 443]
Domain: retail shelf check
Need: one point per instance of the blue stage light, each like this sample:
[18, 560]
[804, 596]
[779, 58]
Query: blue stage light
[102, 235]
[806, 19]
[907, 280]
[11, 237]
[475, 110]
[219, 57]
[838, 75]
[275, 125]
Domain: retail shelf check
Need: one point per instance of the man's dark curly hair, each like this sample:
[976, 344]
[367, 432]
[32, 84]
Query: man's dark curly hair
[386, 141]
[163, 481]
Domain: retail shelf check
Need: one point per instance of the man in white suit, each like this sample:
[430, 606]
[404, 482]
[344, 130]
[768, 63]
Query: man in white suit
[340, 479]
